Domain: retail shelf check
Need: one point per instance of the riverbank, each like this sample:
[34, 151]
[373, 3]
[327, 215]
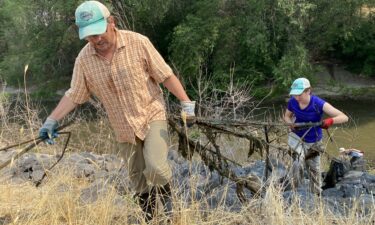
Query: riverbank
[342, 84]
[95, 187]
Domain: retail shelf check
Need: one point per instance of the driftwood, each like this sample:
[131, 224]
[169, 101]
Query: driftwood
[212, 157]
[259, 135]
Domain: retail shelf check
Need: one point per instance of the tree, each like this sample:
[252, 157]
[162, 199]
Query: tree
[261, 41]
[41, 34]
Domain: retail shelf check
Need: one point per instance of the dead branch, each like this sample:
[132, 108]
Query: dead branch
[216, 162]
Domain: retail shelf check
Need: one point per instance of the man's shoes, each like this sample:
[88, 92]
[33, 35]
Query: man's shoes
[147, 202]
[165, 195]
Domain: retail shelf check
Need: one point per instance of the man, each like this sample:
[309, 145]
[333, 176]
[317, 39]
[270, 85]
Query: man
[123, 70]
[304, 107]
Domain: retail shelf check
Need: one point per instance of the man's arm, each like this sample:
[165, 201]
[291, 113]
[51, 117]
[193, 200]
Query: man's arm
[174, 85]
[65, 106]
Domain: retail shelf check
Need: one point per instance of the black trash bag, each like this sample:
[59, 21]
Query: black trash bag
[337, 169]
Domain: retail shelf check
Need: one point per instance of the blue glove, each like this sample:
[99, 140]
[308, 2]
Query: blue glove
[187, 113]
[48, 131]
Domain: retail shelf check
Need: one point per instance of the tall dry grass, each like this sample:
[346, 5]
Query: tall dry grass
[25, 204]
[58, 200]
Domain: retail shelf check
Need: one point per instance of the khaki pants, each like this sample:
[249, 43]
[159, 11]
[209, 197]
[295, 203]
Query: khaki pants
[311, 162]
[147, 160]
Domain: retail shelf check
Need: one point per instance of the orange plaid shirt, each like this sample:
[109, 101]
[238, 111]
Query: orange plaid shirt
[128, 86]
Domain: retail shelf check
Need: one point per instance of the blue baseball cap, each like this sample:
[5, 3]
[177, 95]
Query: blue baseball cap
[299, 85]
[91, 18]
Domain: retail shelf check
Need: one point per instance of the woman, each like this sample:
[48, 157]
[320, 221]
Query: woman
[306, 143]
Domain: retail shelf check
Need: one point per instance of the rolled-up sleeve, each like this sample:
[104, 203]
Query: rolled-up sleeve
[78, 91]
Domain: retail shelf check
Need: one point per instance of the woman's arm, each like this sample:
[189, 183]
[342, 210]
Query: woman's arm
[288, 117]
[337, 116]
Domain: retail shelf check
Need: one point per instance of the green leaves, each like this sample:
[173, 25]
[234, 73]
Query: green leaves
[293, 64]
[260, 42]
[35, 33]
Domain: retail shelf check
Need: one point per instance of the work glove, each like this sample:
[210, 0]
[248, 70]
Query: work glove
[48, 131]
[327, 123]
[187, 113]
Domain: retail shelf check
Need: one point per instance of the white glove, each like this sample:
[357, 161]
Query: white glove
[188, 112]
[188, 107]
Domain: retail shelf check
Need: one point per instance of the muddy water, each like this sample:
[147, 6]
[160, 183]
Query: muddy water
[359, 132]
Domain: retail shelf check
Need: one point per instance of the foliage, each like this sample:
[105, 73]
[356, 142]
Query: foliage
[260, 42]
[153, 18]
[38, 33]
[343, 30]
[358, 50]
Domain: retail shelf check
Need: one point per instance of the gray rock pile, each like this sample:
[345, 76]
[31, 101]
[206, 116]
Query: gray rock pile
[191, 180]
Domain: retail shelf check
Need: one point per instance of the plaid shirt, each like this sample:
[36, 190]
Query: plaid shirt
[128, 86]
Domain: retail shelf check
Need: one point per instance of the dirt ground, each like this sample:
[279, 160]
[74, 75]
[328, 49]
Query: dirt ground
[339, 81]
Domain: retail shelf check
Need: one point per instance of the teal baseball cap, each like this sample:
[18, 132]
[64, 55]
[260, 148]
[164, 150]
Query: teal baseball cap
[299, 85]
[91, 18]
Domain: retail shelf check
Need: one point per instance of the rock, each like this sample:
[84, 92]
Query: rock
[352, 175]
[92, 193]
[84, 170]
[369, 178]
[333, 193]
[370, 188]
[195, 181]
[366, 204]
[351, 191]
[304, 198]
[337, 206]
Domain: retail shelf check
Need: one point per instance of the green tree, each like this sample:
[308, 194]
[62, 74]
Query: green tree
[261, 41]
[40, 34]
[343, 30]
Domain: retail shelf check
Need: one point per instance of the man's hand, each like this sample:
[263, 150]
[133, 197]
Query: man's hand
[48, 131]
[187, 113]
[327, 123]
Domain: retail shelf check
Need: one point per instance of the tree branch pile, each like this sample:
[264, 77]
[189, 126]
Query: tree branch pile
[210, 151]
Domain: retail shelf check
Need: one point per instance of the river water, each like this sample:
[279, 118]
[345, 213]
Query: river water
[359, 132]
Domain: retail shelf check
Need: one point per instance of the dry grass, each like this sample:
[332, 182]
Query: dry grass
[58, 201]
[49, 204]
[26, 204]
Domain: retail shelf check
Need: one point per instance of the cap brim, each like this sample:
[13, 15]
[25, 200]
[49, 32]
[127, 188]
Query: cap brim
[97, 28]
[296, 91]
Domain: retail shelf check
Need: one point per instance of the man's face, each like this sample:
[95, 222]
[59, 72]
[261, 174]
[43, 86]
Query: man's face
[103, 43]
